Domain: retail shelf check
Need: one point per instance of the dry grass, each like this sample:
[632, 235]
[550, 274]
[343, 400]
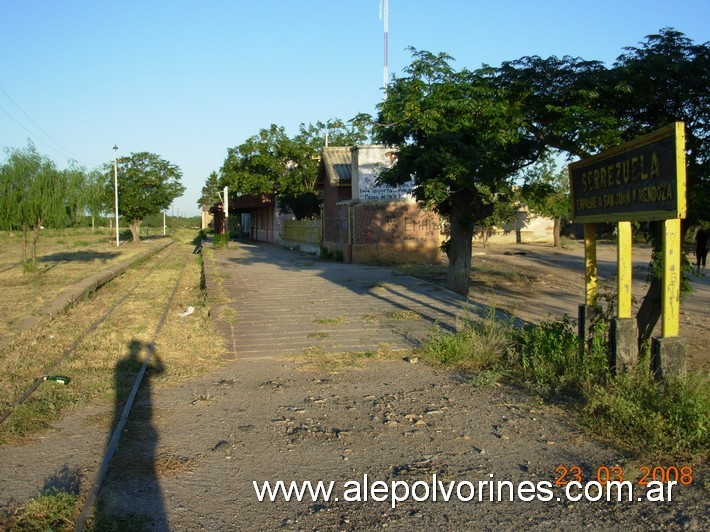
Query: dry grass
[316, 359]
[102, 365]
[171, 464]
[394, 315]
[64, 259]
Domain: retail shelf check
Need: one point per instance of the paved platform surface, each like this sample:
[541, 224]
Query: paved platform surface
[273, 302]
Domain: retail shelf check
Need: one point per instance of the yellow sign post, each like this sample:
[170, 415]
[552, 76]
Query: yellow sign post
[642, 180]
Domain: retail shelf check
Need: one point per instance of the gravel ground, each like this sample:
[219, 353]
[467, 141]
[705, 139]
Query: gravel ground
[192, 452]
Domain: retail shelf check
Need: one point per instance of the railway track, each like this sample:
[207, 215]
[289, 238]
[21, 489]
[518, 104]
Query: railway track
[167, 267]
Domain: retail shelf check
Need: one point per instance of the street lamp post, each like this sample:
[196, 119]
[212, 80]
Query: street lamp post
[115, 188]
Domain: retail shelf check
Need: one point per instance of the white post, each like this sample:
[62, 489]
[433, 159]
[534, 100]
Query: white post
[226, 210]
[164, 226]
[115, 189]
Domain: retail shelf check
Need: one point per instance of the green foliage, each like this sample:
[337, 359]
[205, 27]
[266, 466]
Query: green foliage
[633, 410]
[147, 184]
[505, 211]
[666, 419]
[461, 137]
[549, 356]
[476, 346]
[53, 509]
[220, 241]
[680, 71]
[34, 194]
[581, 107]
[455, 132]
[271, 162]
[546, 189]
[210, 191]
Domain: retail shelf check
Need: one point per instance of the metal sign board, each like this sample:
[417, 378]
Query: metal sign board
[641, 180]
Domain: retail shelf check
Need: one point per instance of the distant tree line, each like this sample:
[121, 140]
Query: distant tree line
[35, 194]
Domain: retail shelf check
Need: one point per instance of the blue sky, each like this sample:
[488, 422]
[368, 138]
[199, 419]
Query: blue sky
[189, 79]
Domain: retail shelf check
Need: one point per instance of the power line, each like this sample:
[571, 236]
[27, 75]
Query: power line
[63, 150]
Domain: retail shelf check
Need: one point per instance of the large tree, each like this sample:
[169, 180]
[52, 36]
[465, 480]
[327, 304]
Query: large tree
[147, 184]
[210, 191]
[33, 194]
[665, 79]
[462, 138]
[271, 162]
[582, 107]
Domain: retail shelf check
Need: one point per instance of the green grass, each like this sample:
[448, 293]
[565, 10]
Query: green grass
[661, 420]
[476, 346]
[666, 419]
[53, 510]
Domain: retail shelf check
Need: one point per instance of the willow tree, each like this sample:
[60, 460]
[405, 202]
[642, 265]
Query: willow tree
[462, 138]
[33, 194]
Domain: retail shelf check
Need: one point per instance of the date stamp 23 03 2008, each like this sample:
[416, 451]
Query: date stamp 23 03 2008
[644, 474]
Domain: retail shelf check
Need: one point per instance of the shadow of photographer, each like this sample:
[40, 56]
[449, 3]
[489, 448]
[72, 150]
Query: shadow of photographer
[130, 491]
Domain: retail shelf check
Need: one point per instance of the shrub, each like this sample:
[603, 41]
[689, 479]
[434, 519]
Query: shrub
[666, 419]
[220, 241]
[476, 346]
[551, 357]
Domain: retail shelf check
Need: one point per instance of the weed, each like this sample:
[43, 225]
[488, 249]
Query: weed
[319, 335]
[634, 411]
[331, 321]
[54, 509]
[170, 464]
[394, 315]
[197, 397]
[220, 241]
[478, 345]
[316, 358]
[549, 356]
[667, 419]
[488, 377]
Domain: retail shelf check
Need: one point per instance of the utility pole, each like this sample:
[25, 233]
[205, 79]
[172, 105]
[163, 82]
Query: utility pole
[115, 188]
[384, 14]
[226, 210]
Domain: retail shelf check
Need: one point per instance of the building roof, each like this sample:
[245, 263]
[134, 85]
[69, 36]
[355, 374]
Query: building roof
[336, 165]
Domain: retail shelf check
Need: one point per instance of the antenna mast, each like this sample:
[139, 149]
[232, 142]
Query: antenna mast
[386, 24]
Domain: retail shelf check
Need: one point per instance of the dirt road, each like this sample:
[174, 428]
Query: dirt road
[535, 282]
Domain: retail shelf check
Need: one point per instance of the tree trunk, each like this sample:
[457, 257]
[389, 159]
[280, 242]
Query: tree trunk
[135, 226]
[35, 236]
[24, 244]
[460, 244]
[650, 310]
[557, 240]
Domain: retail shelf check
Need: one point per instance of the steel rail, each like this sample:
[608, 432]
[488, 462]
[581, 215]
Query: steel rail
[39, 380]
